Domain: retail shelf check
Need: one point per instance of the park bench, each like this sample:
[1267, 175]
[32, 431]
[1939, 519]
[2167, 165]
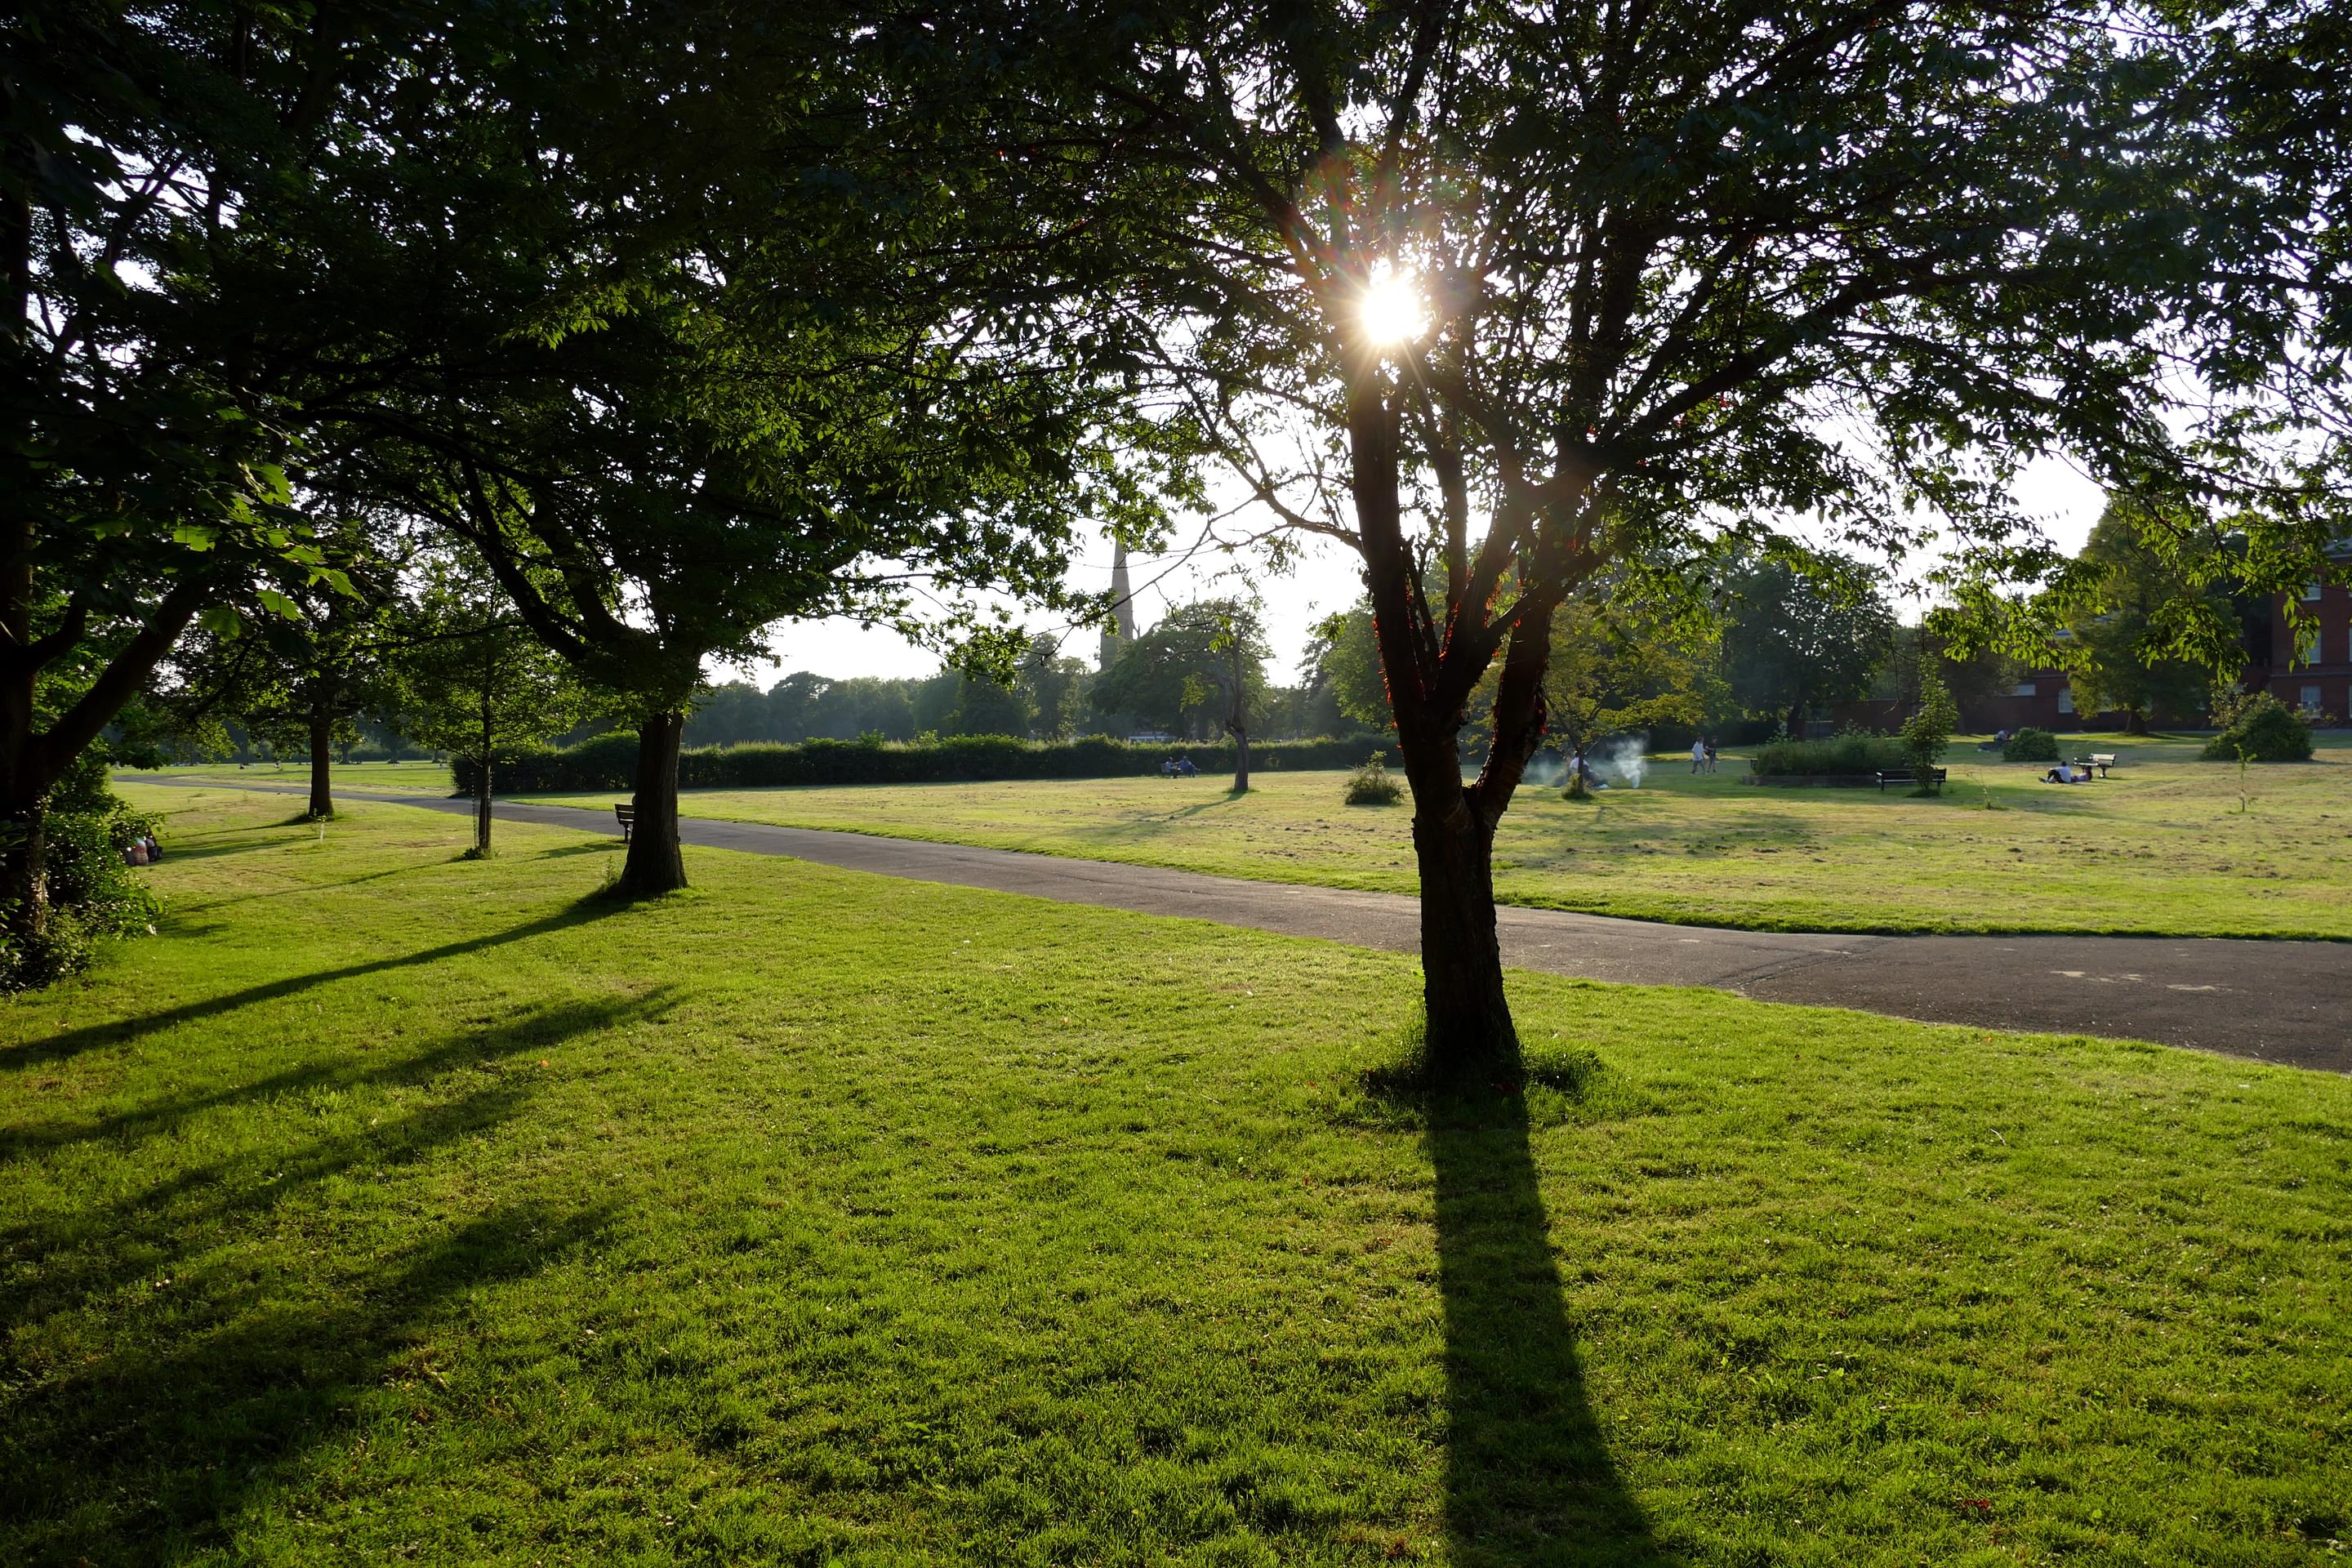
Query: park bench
[1904, 775]
[627, 817]
[2102, 761]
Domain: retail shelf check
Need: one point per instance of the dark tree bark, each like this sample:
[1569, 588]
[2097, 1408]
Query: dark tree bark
[656, 863]
[1237, 722]
[482, 786]
[322, 757]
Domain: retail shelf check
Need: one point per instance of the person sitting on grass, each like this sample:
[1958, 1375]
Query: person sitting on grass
[2061, 774]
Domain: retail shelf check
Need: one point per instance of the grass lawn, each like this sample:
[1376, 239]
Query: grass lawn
[416, 776]
[2161, 846]
[391, 1207]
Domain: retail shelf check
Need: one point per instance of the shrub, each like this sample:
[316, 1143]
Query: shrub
[2030, 745]
[91, 892]
[2264, 730]
[610, 761]
[1850, 753]
[1372, 785]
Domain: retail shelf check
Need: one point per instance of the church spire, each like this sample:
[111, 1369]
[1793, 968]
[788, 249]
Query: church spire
[1122, 606]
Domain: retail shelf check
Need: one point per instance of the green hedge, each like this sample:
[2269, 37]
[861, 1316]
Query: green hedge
[610, 761]
[1847, 754]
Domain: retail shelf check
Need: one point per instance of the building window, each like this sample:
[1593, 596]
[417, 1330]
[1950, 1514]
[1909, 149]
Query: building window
[2066, 700]
[2311, 698]
[2311, 593]
[2022, 688]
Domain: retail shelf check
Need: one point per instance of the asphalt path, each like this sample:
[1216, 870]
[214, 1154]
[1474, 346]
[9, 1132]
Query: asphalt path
[2283, 1002]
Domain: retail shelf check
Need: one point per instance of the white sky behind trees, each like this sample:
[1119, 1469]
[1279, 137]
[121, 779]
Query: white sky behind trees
[1323, 579]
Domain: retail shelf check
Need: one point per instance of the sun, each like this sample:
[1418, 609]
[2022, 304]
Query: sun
[1393, 311]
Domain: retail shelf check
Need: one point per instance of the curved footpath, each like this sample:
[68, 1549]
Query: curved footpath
[2283, 1002]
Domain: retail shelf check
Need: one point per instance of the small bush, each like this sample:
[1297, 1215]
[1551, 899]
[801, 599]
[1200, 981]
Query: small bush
[1371, 785]
[91, 892]
[1852, 753]
[2264, 730]
[2030, 745]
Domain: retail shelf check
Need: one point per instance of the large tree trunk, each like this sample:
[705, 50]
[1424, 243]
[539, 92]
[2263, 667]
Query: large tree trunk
[322, 740]
[1470, 1036]
[1241, 761]
[656, 863]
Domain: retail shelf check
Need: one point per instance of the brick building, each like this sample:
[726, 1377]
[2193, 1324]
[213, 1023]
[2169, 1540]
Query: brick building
[2319, 678]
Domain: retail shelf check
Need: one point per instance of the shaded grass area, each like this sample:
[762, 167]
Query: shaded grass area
[421, 1209]
[2162, 847]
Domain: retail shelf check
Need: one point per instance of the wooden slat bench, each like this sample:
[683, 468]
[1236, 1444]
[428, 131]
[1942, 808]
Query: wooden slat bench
[1904, 775]
[627, 817]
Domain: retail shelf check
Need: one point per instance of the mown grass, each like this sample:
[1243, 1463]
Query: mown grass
[393, 1207]
[2160, 847]
[414, 776]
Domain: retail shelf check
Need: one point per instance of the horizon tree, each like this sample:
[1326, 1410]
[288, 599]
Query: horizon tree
[2127, 609]
[1812, 631]
[1497, 296]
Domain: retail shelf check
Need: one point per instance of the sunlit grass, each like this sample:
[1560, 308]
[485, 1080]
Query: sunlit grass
[2164, 846]
[394, 1207]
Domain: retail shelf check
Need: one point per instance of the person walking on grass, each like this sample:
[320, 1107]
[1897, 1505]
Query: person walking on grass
[1710, 753]
[1699, 756]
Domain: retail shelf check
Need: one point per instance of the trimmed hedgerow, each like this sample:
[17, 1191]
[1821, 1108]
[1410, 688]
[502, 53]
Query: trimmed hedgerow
[610, 761]
[1849, 753]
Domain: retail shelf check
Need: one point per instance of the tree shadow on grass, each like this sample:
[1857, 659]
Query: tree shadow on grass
[152, 1452]
[73, 1042]
[79, 1252]
[1528, 1479]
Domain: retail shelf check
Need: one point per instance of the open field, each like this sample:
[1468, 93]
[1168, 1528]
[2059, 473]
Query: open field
[2162, 848]
[424, 777]
[396, 1207]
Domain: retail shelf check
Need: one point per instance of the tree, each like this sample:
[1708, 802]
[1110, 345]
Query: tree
[470, 677]
[2127, 607]
[986, 706]
[1927, 731]
[1801, 636]
[729, 714]
[1053, 686]
[295, 669]
[1178, 674]
[674, 386]
[1345, 657]
[146, 420]
[1501, 296]
[1620, 662]
[1240, 679]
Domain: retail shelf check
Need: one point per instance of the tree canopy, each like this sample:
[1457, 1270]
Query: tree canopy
[1500, 299]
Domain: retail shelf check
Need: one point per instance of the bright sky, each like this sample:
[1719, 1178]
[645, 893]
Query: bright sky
[1325, 579]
